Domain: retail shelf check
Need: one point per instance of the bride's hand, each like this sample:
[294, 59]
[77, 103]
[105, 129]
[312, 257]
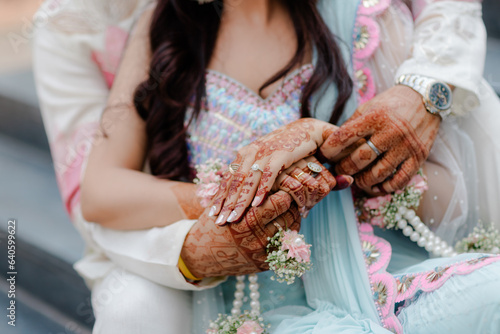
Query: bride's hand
[237, 249]
[259, 164]
[308, 182]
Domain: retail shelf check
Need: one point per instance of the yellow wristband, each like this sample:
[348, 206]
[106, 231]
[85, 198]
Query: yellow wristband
[185, 271]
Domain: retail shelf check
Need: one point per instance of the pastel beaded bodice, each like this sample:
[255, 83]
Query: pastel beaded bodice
[233, 116]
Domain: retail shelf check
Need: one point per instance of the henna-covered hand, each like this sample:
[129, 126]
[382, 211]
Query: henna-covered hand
[273, 153]
[238, 249]
[189, 203]
[399, 126]
[307, 189]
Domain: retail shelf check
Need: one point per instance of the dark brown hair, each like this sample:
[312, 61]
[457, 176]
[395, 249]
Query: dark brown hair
[183, 35]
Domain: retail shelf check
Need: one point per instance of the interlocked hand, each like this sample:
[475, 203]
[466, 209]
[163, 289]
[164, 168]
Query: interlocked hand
[269, 156]
[308, 187]
[238, 249]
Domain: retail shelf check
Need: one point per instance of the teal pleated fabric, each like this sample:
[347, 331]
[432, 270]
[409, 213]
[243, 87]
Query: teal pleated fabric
[336, 296]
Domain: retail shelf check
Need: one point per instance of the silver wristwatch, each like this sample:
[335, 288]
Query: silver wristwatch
[437, 95]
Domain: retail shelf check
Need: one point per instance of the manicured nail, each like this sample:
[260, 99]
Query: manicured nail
[343, 181]
[256, 201]
[220, 220]
[232, 216]
[212, 211]
[376, 189]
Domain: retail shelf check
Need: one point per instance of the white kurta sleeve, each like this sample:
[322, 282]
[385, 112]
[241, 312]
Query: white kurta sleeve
[73, 90]
[449, 44]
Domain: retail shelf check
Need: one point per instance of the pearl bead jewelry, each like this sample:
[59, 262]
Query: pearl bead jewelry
[414, 236]
[407, 231]
[239, 294]
[298, 242]
[413, 227]
[402, 223]
[422, 241]
[410, 214]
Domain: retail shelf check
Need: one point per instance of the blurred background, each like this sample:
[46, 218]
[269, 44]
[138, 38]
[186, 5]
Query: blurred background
[50, 297]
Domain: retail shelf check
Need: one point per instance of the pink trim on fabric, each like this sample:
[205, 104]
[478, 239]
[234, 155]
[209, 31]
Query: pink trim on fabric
[434, 279]
[367, 12]
[69, 155]
[376, 9]
[373, 42]
[366, 88]
[109, 60]
[388, 290]
[383, 284]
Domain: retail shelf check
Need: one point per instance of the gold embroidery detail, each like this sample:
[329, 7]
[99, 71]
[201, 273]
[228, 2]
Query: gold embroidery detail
[371, 252]
[381, 293]
[362, 38]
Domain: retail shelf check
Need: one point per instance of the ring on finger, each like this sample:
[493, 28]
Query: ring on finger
[314, 168]
[233, 168]
[373, 147]
[277, 226]
[298, 175]
[256, 167]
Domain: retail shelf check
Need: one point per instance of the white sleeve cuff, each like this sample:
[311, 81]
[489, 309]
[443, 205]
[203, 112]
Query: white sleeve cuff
[152, 253]
[450, 45]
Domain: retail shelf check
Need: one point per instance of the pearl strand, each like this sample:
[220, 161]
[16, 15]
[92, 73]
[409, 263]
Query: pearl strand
[418, 232]
[239, 294]
[254, 295]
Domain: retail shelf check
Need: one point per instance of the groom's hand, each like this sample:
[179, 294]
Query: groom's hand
[398, 125]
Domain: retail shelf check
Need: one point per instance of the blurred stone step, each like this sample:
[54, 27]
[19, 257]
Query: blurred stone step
[492, 64]
[49, 295]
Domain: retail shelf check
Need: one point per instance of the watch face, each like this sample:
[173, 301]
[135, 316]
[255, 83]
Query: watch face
[440, 96]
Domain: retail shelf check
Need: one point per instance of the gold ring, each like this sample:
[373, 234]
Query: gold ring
[298, 175]
[233, 168]
[277, 225]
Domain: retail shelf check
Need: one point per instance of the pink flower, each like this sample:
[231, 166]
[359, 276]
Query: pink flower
[419, 183]
[211, 331]
[250, 326]
[377, 221]
[296, 246]
[376, 203]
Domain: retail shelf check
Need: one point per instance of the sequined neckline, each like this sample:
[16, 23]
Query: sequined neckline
[288, 77]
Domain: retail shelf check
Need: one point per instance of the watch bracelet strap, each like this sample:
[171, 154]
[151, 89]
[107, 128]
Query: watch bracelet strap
[417, 82]
[420, 84]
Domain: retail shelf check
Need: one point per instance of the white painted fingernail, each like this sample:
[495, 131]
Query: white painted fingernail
[256, 200]
[232, 217]
[220, 220]
[212, 211]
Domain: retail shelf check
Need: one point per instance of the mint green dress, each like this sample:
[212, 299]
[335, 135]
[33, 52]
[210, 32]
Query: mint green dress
[364, 280]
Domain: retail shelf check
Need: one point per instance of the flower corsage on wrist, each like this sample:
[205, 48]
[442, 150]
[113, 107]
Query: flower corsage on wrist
[288, 255]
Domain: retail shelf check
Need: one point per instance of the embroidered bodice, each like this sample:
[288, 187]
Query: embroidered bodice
[233, 116]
